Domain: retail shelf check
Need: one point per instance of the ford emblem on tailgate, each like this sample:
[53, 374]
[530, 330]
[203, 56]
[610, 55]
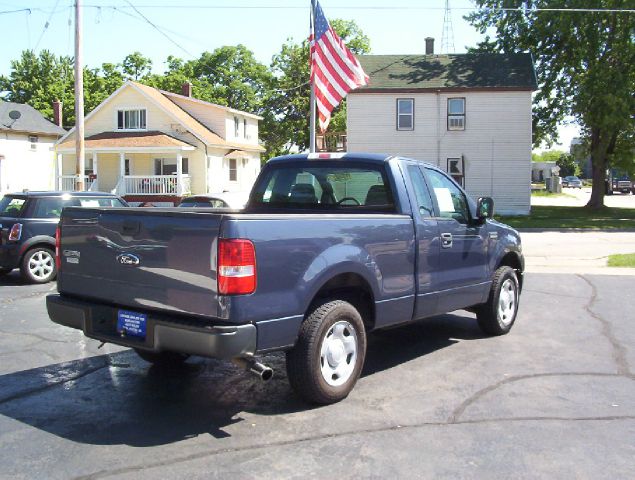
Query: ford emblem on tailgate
[128, 259]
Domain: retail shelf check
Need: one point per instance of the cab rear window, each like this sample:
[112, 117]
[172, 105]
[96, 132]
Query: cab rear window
[12, 206]
[324, 187]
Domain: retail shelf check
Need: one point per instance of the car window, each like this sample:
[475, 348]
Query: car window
[329, 186]
[88, 202]
[50, 207]
[11, 206]
[424, 202]
[450, 199]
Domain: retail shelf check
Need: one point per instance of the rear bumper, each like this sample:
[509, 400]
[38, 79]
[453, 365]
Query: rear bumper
[162, 334]
[9, 256]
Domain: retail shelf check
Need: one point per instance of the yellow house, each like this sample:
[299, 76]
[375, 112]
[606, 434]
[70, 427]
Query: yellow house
[146, 144]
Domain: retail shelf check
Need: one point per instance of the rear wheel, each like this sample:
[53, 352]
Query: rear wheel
[328, 357]
[38, 265]
[163, 359]
[498, 314]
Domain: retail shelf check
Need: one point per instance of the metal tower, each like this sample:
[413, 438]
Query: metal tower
[447, 37]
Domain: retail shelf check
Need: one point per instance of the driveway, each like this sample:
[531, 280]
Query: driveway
[553, 399]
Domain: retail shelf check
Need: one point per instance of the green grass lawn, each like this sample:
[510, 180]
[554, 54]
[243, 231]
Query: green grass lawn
[622, 260]
[573, 217]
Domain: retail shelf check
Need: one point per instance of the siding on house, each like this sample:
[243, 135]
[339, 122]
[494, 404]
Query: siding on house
[23, 167]
[495, 145]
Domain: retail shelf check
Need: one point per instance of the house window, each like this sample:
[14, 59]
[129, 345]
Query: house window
[131, 119]
[405, 114]
[236, 126]
[126, 167]
[456, 113]
[167, 166]
[245, 128]
[456, 169]
[33, 139]
[233, 170]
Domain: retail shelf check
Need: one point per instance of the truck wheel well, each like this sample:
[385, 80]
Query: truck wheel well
[511, 260]
[352, 288]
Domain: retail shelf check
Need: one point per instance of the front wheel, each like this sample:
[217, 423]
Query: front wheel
[38, 265]
[328, 357]
[498, 314]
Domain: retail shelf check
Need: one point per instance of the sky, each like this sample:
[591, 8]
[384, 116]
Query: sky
[186, 28]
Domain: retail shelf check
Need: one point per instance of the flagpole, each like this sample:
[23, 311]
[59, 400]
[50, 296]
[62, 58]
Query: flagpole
[313, 104]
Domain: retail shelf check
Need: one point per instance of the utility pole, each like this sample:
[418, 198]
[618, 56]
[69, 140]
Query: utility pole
[79, 99]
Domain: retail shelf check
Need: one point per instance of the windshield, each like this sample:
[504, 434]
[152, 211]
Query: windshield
[11, 206]
[327, 186]
[100, 202]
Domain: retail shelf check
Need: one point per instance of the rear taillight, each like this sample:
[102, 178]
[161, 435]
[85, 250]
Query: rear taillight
[16, 232]
[58, 253]
[236, 267]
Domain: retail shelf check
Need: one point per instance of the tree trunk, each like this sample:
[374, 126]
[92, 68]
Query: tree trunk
[598, 164]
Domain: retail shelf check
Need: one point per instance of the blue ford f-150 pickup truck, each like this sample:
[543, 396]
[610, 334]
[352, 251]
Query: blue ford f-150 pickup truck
[328, 248]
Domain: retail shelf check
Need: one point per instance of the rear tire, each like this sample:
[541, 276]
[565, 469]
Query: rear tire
[38, 265]
[328, 357]
[498, 314]
[163, 359]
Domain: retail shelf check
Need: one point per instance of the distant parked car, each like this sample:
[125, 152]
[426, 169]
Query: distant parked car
[572, 182]
[27, 229]
[228, 200]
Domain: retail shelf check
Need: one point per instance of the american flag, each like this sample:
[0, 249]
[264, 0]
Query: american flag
[334, 69]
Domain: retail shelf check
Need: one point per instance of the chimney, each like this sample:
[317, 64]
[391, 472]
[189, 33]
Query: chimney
[429, 45]
[57, 113]
[186, 89]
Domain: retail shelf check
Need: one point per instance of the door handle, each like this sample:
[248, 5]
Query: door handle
[446, 240]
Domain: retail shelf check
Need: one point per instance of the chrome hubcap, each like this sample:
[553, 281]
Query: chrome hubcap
[338, 353]
[507, 302]
[41, 265]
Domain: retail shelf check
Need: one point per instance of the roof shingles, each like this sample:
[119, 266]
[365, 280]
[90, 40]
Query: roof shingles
[456, 71]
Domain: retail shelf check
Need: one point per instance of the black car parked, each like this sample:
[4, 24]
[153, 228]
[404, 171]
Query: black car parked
[27, 229]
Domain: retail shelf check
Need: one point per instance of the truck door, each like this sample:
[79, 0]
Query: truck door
[463, 268]
[427, 238]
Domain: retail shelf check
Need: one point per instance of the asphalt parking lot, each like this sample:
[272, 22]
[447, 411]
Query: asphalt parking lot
[553, 399]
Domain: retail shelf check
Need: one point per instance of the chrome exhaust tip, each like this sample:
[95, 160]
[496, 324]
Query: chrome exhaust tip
[263, 372]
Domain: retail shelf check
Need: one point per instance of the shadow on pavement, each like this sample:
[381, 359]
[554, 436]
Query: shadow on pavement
[119, 399]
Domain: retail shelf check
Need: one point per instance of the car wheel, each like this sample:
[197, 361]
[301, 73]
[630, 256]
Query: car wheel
[328, 357]
[38, 265]
[498, 314]
[162, 359]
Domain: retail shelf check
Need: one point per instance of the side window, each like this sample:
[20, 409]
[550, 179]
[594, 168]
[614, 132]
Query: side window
[405, 114]
[424, 202]
[451, 201]
[49, 207]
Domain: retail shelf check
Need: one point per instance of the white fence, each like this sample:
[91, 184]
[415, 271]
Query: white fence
[68, 183]
[154, 185]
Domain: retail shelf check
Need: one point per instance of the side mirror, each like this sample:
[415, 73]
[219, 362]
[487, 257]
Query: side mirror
[484, 208]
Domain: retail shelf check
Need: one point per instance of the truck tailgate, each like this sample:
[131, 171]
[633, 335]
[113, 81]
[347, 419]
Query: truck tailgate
[141, 258]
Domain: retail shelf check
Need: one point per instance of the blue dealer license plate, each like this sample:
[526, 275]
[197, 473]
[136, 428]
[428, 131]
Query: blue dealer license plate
[132, 323]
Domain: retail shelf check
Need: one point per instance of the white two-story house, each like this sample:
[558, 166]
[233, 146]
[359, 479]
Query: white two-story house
[26, 138]
[469, 114]
[150, 145]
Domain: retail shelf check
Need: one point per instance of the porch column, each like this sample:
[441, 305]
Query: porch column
[122, 173]
[59, 171]
[179, 173]
[95, 172]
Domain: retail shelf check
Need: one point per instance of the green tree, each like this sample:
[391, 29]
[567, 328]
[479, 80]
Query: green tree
[585, 65]
[568, 165]
[136, 67]
[291, 98]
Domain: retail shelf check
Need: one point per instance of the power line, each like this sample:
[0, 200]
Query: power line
[158, 29]
[46, 25]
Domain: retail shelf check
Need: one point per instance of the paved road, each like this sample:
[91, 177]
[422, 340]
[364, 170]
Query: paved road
[554, 399]
[579, 197]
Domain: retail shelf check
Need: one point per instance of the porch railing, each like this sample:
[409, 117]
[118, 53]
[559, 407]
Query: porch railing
[68, 183]
[331, 142]
[154, 185]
